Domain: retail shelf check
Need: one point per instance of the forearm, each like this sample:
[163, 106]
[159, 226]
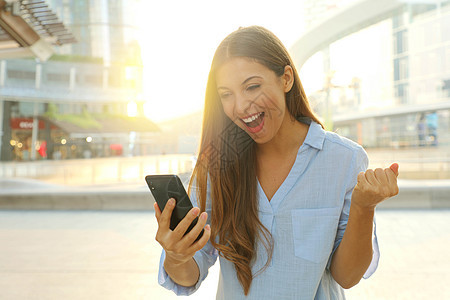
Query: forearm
[186, 274]
[354, 254]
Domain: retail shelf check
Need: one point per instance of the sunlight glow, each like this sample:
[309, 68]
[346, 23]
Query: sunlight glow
[132, 109]
[178, 40]
[147, 109]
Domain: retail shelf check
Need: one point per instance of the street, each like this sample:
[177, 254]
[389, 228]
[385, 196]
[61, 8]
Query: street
[114, 255]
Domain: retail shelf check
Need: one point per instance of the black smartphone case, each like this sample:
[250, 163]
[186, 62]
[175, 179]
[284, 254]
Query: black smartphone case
[164, 187]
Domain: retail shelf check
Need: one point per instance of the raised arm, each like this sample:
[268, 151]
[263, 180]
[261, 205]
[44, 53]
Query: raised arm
[354, 253]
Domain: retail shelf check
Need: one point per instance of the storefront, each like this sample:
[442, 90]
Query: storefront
[415, 129]
[22, 136]
[52, 142]
[64, 140]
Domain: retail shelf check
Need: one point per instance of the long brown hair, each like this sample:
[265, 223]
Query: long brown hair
[227, 156]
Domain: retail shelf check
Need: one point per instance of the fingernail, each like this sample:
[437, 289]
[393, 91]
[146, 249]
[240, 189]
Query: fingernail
[207, 227]
[203, 216]
[195, 211]
[171, 201]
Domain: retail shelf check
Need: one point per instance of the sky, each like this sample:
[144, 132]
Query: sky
[179, 38]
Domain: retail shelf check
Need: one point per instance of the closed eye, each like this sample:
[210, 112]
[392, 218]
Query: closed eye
[253, 87]
[224, 95]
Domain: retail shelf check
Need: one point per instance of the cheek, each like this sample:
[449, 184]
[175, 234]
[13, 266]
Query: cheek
[274, 105]
[228, 108]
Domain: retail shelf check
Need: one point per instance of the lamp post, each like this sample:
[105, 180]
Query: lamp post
[328, 109]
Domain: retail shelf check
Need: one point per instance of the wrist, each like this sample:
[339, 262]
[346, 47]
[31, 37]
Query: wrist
[173, 261]
[362, 209]
[184, 273]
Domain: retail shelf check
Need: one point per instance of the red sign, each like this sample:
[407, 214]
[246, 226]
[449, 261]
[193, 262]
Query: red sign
[27, 124]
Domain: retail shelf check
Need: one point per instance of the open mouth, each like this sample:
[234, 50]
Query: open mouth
[255, 122]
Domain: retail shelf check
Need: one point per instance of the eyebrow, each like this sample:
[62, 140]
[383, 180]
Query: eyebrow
[244, 82]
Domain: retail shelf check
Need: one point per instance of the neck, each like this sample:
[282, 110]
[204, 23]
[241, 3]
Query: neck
[289, 138]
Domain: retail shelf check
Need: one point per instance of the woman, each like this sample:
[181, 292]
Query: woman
[287, 206]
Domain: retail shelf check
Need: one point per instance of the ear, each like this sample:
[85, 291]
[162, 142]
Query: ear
[288, 78]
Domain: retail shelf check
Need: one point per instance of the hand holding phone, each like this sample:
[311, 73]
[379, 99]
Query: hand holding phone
[180, 249]
[164, 187]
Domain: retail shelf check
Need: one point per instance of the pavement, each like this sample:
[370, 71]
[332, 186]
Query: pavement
[113, 255]
[97, 242]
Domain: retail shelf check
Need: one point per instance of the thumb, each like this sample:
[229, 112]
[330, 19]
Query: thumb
[394, 168]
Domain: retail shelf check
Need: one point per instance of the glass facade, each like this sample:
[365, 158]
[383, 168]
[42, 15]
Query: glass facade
[91, 76]
[389, 83]
[430, 50]
[103, 28]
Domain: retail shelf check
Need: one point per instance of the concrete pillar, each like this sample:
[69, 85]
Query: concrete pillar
[34, 133]
[2, 84]
[1, 125]
[38, 78]
[72, 78]
[327, 86]
[6, 132]
[2, 73]
[105, 78]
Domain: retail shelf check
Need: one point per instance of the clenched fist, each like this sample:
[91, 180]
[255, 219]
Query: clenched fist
[374, 186]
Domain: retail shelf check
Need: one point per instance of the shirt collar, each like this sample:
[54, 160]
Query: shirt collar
[316, 135]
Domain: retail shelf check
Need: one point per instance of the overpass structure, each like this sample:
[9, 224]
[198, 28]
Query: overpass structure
[345, 21]
[409, 101]
[28, 28]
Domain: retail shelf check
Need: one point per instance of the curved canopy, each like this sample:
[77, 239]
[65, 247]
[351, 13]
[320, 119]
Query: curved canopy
[348, 20]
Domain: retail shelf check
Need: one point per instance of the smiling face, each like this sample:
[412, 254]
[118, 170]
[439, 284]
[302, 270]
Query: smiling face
[253, 96]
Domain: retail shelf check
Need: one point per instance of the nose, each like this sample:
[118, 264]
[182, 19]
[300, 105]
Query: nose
[243, 104]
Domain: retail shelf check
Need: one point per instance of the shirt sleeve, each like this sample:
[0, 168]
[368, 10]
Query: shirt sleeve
[205, 258]
[359, 164]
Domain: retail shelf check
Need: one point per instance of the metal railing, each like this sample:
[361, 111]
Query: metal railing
[415, 163]
[98, 170]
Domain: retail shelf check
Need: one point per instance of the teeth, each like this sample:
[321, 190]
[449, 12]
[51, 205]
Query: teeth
[252, 118]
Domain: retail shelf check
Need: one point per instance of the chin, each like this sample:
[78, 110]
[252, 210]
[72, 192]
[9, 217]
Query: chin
[261, 138]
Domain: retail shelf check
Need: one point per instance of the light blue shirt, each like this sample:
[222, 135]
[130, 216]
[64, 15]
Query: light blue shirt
[307, 218]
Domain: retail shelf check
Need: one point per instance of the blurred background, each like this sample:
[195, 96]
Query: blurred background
[96, 94]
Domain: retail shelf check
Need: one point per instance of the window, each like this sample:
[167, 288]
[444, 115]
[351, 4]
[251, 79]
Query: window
[58, 77]
[21, 74]
[400, 42]
[401, 93]
[401, 71]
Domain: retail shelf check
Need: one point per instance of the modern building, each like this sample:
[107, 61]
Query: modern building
[75, 104]
[105, 28]
[383, 75]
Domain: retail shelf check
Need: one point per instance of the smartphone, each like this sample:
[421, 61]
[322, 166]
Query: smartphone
[164, 187]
